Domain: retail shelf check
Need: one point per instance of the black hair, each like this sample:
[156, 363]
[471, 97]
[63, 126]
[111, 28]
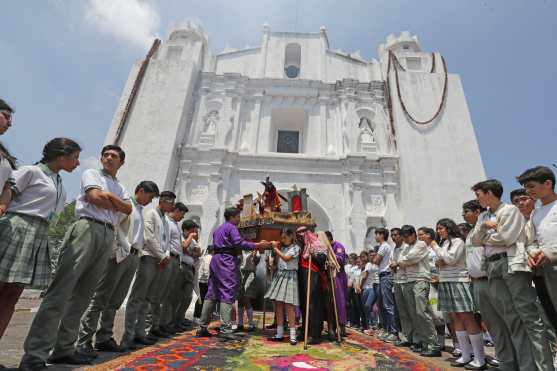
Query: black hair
[395, 229]
[353, 255]
[113, 147]
[452, 229]
[181, 207]
[4, 153]
[168, 195]
[231, 212]
[364, 253]
[429, 231]
[407, 230]
[59, 147]
[465, 226]
[329, 235]
[290, 234]
[148, 187]
[383, 231]
[518, 192]
[539, 174]
[473, 205]
[189, 224]
[491, 185]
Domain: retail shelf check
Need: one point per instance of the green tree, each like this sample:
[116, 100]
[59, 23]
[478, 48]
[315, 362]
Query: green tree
[57, 231]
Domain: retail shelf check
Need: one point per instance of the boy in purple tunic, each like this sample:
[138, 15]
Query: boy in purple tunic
[341, 282]
[223, 276]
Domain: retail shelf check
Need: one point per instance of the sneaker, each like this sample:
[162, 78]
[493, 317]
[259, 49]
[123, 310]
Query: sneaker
[392, 338]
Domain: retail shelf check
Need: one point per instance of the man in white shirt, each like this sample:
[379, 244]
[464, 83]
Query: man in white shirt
[501, 231]
[399, 279]
[170, 295]
[115, 283]
[153, 260]
[540, 185]
[103, 202]
[382, 259]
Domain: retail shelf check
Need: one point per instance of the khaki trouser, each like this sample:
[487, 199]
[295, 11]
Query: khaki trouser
[83, 257]
[144, 279]
[171, 295]
[109, 296]
[515, 301]
[185, 292]
[150, 315]
[416, 297]
[502, 337]
[403, 312]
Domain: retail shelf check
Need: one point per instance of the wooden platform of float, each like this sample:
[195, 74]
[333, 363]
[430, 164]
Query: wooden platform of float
[269, 227]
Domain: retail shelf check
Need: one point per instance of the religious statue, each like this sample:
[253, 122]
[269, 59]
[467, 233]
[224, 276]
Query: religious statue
[366, 131]
[211, 121]
[270, 200]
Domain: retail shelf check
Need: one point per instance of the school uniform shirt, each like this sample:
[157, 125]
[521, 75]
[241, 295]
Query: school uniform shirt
[187, 258]
[101, 180]
[509, 237]
[453, 254]
[6, 172]
[174, 237]
[38, 192]
[372, 276]
[400, 273]
[356, 277]
[416, 262]
[129, 233]
[292, 264]
[156, 234]
[475, 259]
[385, 250]
[544, 222]
[204, 268]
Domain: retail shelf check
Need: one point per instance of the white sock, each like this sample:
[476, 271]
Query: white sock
[240, 316]
[292, 333]
[478, 346]
[465, 346]
[280, 331]
[250, 316]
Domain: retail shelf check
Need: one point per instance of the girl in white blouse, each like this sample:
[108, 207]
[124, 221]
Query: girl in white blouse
[38, 195]
[7, 161]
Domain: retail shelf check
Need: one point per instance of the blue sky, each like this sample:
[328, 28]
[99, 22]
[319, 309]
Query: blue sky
[64, 63]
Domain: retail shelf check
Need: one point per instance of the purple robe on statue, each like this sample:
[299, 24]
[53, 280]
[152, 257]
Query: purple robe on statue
[341, 282]
[223, 278]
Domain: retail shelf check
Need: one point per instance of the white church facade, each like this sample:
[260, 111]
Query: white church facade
[375, 142]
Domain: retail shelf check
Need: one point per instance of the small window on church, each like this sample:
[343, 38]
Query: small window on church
[292, 57]
[288, 141]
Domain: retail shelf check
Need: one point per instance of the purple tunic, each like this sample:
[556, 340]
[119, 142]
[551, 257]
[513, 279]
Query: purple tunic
[341, 283]
[223, 278]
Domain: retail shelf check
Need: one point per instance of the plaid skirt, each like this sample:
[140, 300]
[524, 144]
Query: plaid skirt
[284, 287]
[24, 255]
[455, 297]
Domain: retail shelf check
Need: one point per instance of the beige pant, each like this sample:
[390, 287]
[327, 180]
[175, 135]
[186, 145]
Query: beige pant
[403, 312]
[416, 297]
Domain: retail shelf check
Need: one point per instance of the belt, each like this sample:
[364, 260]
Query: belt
[383, 274]
[134, 251]
[496, 257]
[484, 278]
[226, 251]
[105, 224]
[175, 255]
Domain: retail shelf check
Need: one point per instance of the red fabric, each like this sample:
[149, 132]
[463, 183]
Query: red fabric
[304, 263]
[296, 204]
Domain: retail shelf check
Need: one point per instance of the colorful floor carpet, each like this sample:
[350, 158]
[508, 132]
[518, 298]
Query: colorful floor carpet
[358, 352]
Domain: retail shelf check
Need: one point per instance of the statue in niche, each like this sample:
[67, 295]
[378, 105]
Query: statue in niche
[366, 131]
[211, 121]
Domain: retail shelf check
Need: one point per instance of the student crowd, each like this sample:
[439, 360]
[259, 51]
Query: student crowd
[493, 277]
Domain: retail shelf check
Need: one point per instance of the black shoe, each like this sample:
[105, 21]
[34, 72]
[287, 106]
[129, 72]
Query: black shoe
[108, 346]
[154, 339]
[202, 332]
[87, 351]
[170, 330]
[431, 353]
[141, 340]
[159, 334]
[275, 338]
[471, 367]
[271, 326]
[402, 343]
[293, 341]
[125, 346]
[240, 328]
[39, 366]
[226, 336]
[492, 361]
[72, 359]
[416, 348]
[459, 364]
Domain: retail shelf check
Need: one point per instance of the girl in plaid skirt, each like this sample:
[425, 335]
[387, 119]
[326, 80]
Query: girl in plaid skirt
[37, 195]
[455, 297]
[284, 288]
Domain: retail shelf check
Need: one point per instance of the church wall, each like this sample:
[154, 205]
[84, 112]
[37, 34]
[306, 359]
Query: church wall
[244, 63]
[311, 52]
[340, 67]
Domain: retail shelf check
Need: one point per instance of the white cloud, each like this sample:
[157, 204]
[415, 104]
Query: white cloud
[133, 21]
